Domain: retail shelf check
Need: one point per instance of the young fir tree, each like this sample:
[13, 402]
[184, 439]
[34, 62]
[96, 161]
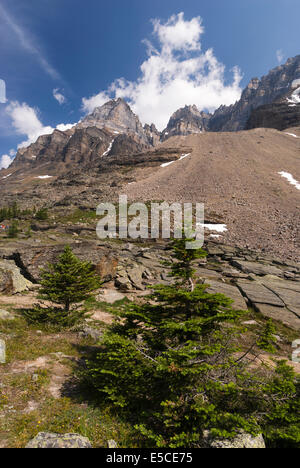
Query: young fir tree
[42, 214]
[13, 230]
[267, 340]
[172, 365]
[167, 357]
[68, 281]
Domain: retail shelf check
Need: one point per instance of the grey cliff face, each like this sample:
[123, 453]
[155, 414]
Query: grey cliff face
[117, 116]
[271, 88]
[110, 129]
[186, 121]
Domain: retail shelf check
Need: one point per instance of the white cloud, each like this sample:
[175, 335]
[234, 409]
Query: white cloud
[178, 34]
[28, 43]
[59, 96]
[176, 73]
[97, 100]
[279, 56]
[26, 122]
[64, 127]
[5, 161]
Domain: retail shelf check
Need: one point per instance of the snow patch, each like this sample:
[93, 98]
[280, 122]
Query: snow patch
[5, 177]
[183, 156]
[44, 177]
[290, 178]
[292, 134]
[215, 227]
[295, 97]
[108, 149]
[296, 83]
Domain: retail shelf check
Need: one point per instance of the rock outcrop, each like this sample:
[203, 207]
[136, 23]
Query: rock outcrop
[278, 83]
[46, 440]
[280, 115]
[11, 279]
[186, 121]
[268, 286]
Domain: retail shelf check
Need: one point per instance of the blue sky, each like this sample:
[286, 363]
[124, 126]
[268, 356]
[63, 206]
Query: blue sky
[75, 51]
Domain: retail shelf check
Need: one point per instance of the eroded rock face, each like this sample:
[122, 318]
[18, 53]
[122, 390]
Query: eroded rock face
[117, 116]
[279, 115]
[51, 440]
[241, 441]
[186, 121]
[276, 84]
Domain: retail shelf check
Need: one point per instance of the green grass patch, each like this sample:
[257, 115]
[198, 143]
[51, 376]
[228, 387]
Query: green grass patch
[64, 416]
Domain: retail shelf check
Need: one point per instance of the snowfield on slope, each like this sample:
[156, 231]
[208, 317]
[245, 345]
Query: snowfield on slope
[183, 156]
[290, 178]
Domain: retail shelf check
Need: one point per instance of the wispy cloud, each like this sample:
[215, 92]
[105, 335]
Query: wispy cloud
[279, 56]
[176, 72]
[28, 43]
[60, 98]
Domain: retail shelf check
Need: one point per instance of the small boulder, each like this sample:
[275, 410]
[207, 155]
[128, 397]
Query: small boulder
[51, 440]
[89, 332]
[11, 279]
[110, 296]
[4, 315]
[241, 441]
[112, 444]
[2, 352]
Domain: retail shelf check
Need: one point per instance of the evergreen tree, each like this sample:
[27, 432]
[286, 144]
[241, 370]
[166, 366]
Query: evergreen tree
[13, 230]
[267, 339]
[42, 214]
[68, 281]
[175, 364]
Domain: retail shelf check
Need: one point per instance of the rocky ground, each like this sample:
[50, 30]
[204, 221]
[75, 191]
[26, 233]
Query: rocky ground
[236, 176]
[37, 390]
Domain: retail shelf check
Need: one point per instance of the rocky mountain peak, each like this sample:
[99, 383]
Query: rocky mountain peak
[115, 115]
[186, 121]
[277, 84]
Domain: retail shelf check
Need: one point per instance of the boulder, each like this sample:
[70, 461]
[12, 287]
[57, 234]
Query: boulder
[123, 283]
[4, 315]
[11, 279]
[51, 440]
[135, 275]
[2, 352]
[112, 444]
[90, 332]
[110, 296]
[241, 441]
[107, 268]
